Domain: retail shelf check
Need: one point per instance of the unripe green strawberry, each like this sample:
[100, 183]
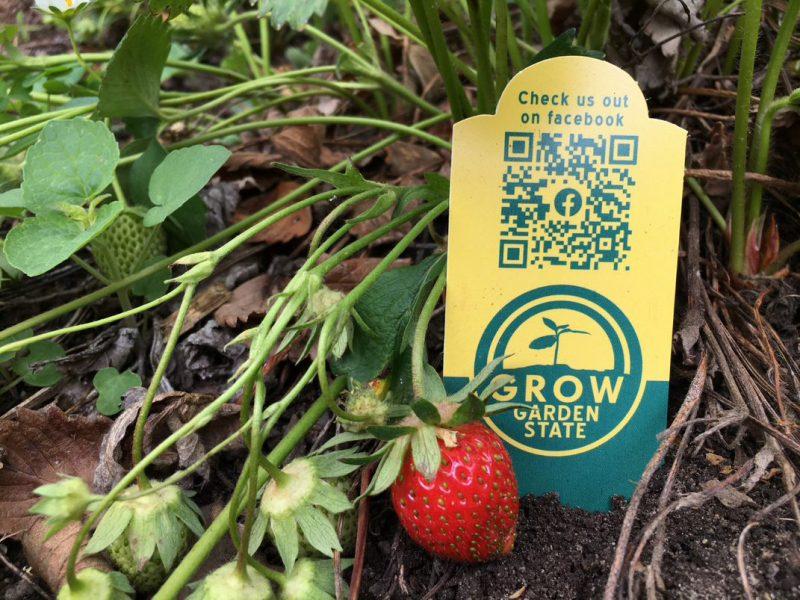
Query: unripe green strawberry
[226, 583]
[149, 577]
[147, 533]
[126, 245]
[94, 584]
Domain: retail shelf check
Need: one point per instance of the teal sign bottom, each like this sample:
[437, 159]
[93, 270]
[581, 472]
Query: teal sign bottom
[591, 479]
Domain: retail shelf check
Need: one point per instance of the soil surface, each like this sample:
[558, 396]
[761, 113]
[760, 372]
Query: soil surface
[563, 552]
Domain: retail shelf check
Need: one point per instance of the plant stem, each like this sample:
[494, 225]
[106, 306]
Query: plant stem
[321, 120]
[155, 382]
[420, 331]
[480, 22]
[761, 134]
[542, 21]
[431, 28]
[247, 49]
[252, 473]
[761, 157]
[501, 43]
[182, 573]
[752, 24]
[14, 346]
[271, 210]
[90, 269]
[719, 220]
[77, 51]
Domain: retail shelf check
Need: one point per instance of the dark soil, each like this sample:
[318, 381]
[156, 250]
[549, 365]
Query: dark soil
[563, 552]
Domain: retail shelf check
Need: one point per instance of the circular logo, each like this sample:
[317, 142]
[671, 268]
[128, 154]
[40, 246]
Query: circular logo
[571, 370]
[568, 202]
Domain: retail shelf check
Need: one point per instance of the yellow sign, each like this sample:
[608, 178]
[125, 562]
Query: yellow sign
[563, 240]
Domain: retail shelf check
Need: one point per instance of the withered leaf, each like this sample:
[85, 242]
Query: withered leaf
[247, 300]
[293, 226]
[349, 273]
[40, 447]
[300, 144]
[207, 301]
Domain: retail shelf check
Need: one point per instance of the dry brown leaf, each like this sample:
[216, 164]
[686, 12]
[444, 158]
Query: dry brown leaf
[251, 160]
[293, 226]
[247, 300]
[728, 496]
[405, 157]
[349, 273]
[300, 144]
[715, 459]
[207, 301]
[41, 447]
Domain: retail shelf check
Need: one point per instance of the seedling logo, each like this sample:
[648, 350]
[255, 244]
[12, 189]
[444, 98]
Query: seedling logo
[573, 365]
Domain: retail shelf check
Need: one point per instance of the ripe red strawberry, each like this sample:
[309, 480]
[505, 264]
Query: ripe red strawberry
[468, 513]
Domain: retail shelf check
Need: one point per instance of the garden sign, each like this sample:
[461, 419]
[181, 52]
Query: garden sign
[564, 216]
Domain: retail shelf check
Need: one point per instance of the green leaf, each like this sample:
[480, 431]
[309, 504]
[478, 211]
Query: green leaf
[318, 530]
[564, 45]
[111, 386]
[387, 433]
[111, 526]
[546, 341]
[132, 82]
[169, 539]
[187, 225]
[389, 467]
[476, 381]
[343, 438]
[71, 162]
[294, 12]
[501, 407]
[330, 465]
[330, 498]
[155, 285]
[175, 7]
[142, 170]
[284, 534]
[351, 178]
[12, 204]
[257, 533]
[5, 356]
[495, 384]
[384, 202]
[425, 451]
[40, 243]
[426, 412]
[180, 176]
[39, 352]
[434, 386]
[388, 308]
[470, 410]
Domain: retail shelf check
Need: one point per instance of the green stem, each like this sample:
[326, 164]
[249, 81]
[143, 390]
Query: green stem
[542, 21]
[431, 28]
[155, 383]
[77, 51]
[252, 473]
[734, 47]
[758, 158]
[479, 20]
[752, 24]
[89, 269]
[182, 573]
[501, 43]
[321, 120]
[719, 220]
[92, 297]
[247, 50]
[14, 346]
[420, 332]
[37, 127]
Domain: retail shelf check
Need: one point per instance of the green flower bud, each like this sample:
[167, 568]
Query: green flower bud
[226, 583]
[94, 584]
[62, 502]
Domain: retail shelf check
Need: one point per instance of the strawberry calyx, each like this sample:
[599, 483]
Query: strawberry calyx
[94, 584]
[228, 582]
[298, 500]
[145, 532]
[302, 583]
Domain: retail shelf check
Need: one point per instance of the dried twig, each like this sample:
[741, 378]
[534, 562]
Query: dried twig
[692, 398]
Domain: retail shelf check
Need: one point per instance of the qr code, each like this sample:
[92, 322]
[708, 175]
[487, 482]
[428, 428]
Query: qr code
[566, 200]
